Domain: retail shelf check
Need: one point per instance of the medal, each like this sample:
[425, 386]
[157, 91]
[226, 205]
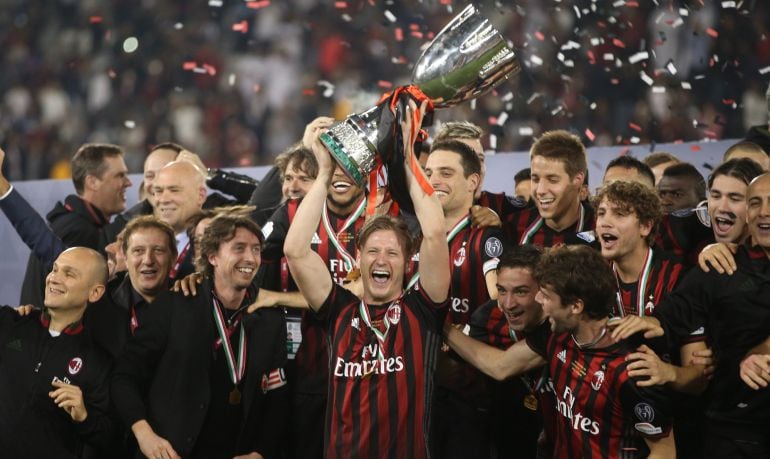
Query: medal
[530, 402]
[235, 396]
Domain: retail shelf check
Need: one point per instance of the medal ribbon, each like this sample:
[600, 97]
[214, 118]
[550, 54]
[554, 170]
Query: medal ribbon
[237, 369]
[179, 260]
[364, 311]
[347, 258]
[459, 226]
[641, 285]
[535, 226]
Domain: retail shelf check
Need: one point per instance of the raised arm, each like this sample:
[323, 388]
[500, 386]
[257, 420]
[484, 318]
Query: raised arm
[492, 361]
[29, 225]
[434, 252]
[306, 266]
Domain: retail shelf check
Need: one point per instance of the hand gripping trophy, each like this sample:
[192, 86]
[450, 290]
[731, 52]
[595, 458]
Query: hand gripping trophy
[465, 60]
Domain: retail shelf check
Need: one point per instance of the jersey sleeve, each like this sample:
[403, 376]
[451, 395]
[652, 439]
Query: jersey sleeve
[683, 313]
[491, 249]
[649, 408]
[338, 298]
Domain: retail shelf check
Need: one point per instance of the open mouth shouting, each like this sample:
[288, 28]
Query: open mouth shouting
[341, 186]
[608, 240]
[380, 276]
[723, 223]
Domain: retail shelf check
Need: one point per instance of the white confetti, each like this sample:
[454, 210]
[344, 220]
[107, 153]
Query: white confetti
[215, 3]
[526, 131]
[506, 97]
[560, 56]
[328, 88]
[677, 22]
[130, 124]
[536, 60]
[638, 57]
[764, 70]
[635, 139]
[390, 16]
[570, 45]
[596, 41]
[473, 104]
[619, 3]
[686, 85]
[646, 78]
[728, 4]
[569, 63]
[609, 57]
[684, 12]
[671, 67]
[231, 79]
[178, 26]
[592, 106]
[577, 11]
[493, 141]
[502, 118]
[658, 89]
[346, 17]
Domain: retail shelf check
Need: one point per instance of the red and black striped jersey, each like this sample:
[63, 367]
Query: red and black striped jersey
[665, 270]
[498, 202]
[381, 381]
[312, 356]
[473, 253]
[525, 226]
[684, 234]
[488, 325]
[601, 412]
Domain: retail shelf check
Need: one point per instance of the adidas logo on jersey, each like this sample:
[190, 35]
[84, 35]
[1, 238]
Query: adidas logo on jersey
[316, 239]
[562, 356]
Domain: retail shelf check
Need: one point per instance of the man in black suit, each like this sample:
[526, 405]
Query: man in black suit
[201, 377]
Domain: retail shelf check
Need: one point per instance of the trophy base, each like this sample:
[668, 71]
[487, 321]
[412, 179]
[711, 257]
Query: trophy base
[351, 149]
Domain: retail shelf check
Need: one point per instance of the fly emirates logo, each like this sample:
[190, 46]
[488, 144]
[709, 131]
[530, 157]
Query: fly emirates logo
[565, 405]
[370, 364]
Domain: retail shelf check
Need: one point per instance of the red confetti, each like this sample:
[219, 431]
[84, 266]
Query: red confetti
[258, 5]
[591, 58]
[695, 147]
[446, 2]
[635, 127]
[190, 65]
[713, 33]
[416, 34]
[539, 35]
[384, 84]
[430, 35]
[632, 4]
[618, 43]
[414, 27]
[399, 33]
[614, 81]
[241, 27]
[492, 120]
[308, 92]
[111, 73]
[590, 135]
[257, 87]
[728, 101]
[95, 19]
[210, 69]
[340, 5]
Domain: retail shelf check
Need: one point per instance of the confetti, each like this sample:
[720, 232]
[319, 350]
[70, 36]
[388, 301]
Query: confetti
[570, 45]
[257, 5]
[635, 127]
[178, 26]
[618, 43]
[764, 70]
[231, 79]
[506, 98]
[189, 65]
[695, 148]
[398, 32]
[730, 4]
[670, 67]
[684, 12]
[502, 118]
[590, 135]
[539, 35]
[95, 20]
[526, 131]
[493, 141]
[536, 60]
[130, 45]
[390, 16]
[215, 3]
[712, 33]
[658, 89]
[686, 85]
[609, 57]
[340, 5]
[130, 124]
[241, 27]
[308, 92]
[679, 21]
[635, 140]
[328, 88]
[473, 104]
[638, 57]
[256, 87]
[646, 78]
[384, 84]
[210, 69]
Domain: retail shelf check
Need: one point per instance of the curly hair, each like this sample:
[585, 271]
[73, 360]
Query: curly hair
[221, 230]
[636, 198]
[578, 272]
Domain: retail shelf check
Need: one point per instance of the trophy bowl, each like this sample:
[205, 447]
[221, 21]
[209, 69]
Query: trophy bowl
[465, 60]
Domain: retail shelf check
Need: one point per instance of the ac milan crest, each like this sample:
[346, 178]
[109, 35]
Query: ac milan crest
[75, 365]
[393, 314]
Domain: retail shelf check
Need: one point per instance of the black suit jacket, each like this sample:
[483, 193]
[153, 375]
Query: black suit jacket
[163, 374]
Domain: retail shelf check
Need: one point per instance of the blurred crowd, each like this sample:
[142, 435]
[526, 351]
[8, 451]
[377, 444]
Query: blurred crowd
[236, 81]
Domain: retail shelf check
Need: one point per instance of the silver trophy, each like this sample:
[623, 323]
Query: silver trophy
[465, 60]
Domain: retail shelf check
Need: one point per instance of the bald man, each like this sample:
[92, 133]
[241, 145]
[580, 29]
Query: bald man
[179, 192]
[53, 378]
